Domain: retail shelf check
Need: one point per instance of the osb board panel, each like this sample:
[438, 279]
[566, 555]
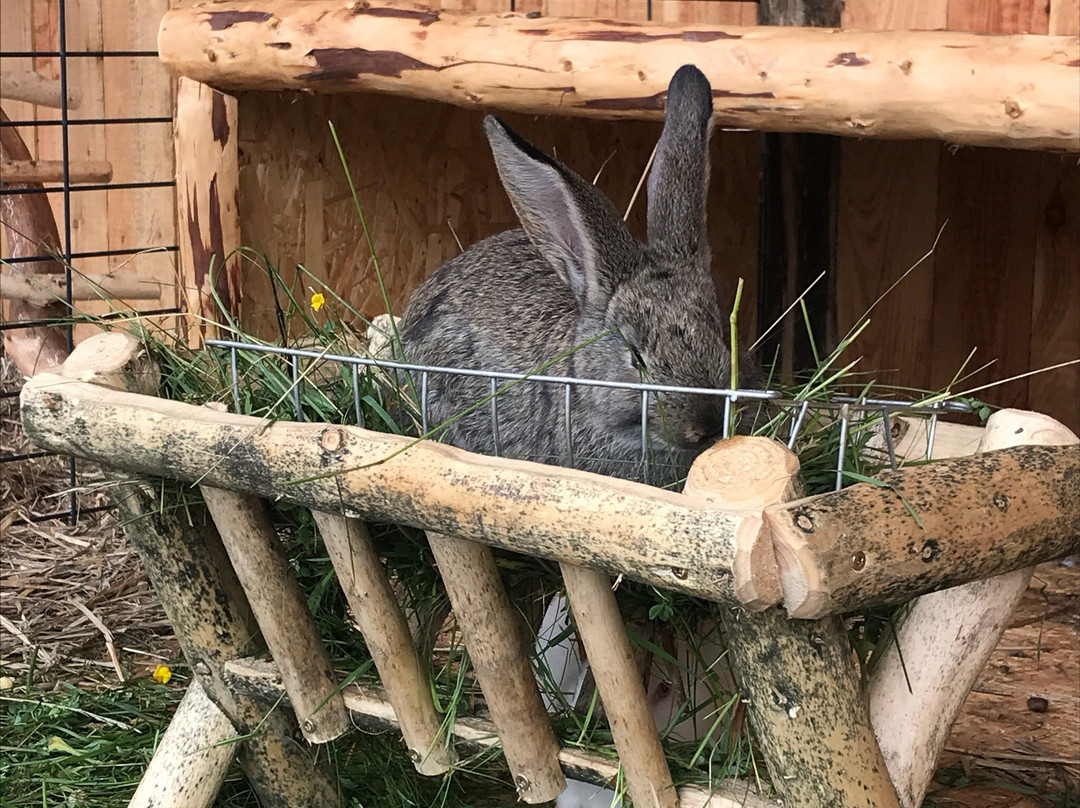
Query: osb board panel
[116, 87]
[426, 181]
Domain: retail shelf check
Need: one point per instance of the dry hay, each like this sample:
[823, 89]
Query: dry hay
[67, 593]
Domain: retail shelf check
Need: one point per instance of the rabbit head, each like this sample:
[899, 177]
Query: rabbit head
[574, 281]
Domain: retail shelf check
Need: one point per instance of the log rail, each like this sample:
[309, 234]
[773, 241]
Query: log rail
[1015, 91]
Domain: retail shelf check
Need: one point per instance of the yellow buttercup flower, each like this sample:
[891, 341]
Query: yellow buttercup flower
[318, 301]
[162, 674]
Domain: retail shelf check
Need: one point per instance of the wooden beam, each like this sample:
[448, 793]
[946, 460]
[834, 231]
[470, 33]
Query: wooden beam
[1015, 91]
[53, 171]
[800, 678]
[206, 606]
[33, 88]
[664, 538]
[926, 528]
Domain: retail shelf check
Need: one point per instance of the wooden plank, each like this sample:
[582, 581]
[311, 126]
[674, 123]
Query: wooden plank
[983, 284]
[895, 15]
[886, 222]
[1064, 17]
[999, 16]
[140, 152]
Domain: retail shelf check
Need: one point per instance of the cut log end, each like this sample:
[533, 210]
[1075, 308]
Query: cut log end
[116, 360]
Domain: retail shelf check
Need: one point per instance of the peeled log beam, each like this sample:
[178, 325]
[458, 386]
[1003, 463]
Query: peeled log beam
[34, 88]
[663, 538]
[976, 89]
[926, 528]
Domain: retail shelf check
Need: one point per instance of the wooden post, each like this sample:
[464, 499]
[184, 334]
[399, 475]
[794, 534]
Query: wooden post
[192, 758]
[281, 612]
[31, 231]
[966, 88]
[207, 199]
[800, 677]
[386, 633]
[203, 600]
[495, 639]
[945, 639]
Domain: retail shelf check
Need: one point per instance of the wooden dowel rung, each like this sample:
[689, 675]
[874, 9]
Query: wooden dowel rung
[500, 658]
[33, 88]
[19, 171]
[386, 633]
[44, 289]
[281, 612]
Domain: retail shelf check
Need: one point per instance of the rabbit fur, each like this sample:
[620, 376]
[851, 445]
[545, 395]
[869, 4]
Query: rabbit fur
[572, 287]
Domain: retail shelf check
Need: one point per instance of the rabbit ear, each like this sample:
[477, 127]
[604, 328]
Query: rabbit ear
[679, 180]
[569, 221]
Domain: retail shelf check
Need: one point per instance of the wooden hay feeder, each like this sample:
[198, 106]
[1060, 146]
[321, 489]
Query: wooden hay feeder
[737, 534]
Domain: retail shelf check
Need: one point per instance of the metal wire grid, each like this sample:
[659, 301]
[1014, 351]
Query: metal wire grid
[850, 410]
[67, 188]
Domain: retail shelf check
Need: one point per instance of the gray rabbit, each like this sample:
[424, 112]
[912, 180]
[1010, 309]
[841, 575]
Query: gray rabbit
[572, 285]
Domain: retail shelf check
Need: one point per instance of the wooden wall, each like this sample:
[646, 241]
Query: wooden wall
[112, 87]
[1005, 279]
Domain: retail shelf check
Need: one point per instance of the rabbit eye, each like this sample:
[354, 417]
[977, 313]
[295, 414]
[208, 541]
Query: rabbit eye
[635, 356]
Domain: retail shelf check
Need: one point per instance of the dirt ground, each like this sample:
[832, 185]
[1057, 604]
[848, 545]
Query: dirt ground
[78, 595]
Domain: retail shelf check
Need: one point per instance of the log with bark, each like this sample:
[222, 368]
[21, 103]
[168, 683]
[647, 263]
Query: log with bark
[975, 89]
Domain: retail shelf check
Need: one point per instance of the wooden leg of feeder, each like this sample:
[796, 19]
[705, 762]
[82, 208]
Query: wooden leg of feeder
[945, 640]
[190, 762]
[386, 633]
[800, 677]
[280, 610]
[500, 658]
[618, 681]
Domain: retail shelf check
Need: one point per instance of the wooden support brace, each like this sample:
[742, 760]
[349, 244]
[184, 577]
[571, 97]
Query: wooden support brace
[975, 89]
[495, 638]
[53, 171]
[924, 528]
[192, 577]
[33, 88]
[41, 290]
[386, 633]
[192, 758]
[800, 677]
[281, 612]
[944, 640]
